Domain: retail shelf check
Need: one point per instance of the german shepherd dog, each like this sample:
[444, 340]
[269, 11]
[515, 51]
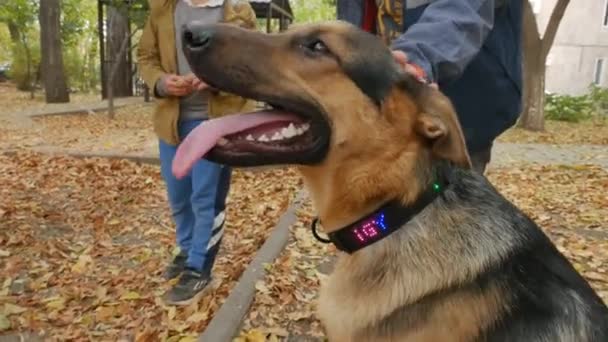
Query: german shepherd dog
[459, 264]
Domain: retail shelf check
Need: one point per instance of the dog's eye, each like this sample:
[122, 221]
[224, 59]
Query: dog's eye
[316, 46]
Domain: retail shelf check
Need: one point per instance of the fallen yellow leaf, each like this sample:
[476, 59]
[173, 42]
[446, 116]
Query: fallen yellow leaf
[131, 295]
[83, 263]
[57, 303]
[198, 317]
[12, 309]
[114, 222]
[251, 336]
[5, 324]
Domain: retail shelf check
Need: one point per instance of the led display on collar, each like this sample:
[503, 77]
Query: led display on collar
[381, 223]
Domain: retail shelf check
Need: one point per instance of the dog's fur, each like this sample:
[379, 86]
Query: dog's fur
[470, 266]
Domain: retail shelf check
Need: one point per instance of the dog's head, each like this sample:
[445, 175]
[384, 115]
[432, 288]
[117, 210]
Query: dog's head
[337, 100]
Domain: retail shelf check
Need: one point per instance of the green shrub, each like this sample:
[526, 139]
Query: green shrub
[599, 99]
[567, 108]
[19, 66]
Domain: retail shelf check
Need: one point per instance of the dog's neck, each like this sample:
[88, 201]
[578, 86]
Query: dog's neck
[344, 194]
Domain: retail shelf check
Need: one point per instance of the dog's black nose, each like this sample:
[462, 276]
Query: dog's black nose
[196, 36]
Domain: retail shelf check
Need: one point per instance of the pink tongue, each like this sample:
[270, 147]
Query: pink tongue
[204, 137]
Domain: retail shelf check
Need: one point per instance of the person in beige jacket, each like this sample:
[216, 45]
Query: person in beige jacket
[197, 201]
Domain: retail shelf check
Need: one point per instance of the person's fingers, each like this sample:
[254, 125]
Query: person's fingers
[410, 69]
[400, 57]
[173, 79]
[172, 82]
[182, 92]
[190, 79]
[178, 91]
[200, 85]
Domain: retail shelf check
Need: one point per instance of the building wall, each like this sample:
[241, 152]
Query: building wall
[571, 69]
[581, 40]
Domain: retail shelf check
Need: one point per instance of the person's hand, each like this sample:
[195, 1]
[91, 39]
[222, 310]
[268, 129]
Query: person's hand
[176, 85]
[402, 60]
[199, 85]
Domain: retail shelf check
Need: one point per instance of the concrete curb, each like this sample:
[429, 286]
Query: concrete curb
[228, 319]
[138, 158]
[85, 108]
[144, 158]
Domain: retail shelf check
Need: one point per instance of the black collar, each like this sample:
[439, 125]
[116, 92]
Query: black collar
[385, 220]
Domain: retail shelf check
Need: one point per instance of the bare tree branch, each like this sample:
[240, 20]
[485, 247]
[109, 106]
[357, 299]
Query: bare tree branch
[552, 26]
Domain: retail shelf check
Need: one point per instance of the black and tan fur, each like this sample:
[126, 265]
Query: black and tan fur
[470, 266]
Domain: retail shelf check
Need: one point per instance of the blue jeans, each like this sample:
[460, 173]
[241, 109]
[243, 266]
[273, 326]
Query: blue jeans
[197, 204]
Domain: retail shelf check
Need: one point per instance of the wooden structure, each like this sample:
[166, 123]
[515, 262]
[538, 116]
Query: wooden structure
[105, 58]
[273, 10]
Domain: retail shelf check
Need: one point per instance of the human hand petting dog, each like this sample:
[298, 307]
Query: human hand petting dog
[403, 61]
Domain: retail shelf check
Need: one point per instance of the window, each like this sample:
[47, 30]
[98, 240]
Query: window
[599, 71]
[605, 17]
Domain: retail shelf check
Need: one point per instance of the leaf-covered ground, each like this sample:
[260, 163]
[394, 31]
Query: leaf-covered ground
[569, 202]
[13, 100]
[83, 244]
[129, 133]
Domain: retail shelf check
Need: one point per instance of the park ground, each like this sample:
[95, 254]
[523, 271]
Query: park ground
[83, 241]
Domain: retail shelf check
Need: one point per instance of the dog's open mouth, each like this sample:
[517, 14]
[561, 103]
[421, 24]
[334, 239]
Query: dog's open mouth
[275, 131]
[270, 136]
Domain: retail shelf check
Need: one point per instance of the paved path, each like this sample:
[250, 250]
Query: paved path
[505, 154]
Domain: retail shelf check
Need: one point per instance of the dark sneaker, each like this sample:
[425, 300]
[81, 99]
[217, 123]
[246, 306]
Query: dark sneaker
[176, 267]
[189, 289]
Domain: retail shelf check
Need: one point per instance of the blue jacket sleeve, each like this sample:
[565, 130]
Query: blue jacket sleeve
[448, 35]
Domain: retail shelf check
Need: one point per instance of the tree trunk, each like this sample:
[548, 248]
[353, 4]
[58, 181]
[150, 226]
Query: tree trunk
[535, 52]
[27, 83]
[118, 31]
[532, 116]
[13, 29]
[55, 85]
[113, 72]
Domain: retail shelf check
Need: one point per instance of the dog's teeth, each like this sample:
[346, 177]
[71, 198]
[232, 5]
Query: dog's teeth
[306, 127]
[263, 138]
[276, 136]
[222, 142]
[289, 132]
[299, 131]
[249, 137]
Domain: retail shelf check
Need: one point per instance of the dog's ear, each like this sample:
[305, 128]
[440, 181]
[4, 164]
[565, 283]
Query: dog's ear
[438, 124]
